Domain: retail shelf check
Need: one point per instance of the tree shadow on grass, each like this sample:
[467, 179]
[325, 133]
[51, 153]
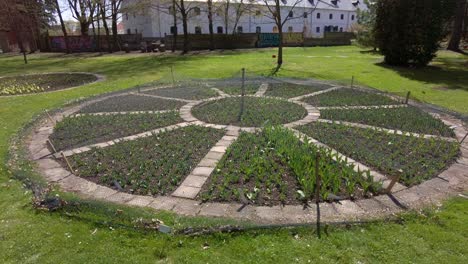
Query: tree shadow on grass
[447, 74]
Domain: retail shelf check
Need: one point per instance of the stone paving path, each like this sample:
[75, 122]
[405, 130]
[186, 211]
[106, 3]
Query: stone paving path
[451, 181]
[390, 131]
[262, 89]
[361, 107]
[121, 113]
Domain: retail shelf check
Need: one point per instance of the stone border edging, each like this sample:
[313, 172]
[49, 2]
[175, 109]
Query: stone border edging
[451, 181]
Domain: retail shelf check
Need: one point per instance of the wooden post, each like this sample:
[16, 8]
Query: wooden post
[52, 146]
[463, 139]
[50, 118]
[317, 192]
[172, 75]
[392, 183]
[352, 81]
[66, 161]
[407, 97]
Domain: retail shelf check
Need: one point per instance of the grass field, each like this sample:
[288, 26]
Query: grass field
[27, 236]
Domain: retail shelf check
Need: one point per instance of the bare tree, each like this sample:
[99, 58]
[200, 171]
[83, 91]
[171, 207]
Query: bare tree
[274, 10]
[233, 10]
[102, 6]
[457, 32]
[62, 24]
[210, 23]
[83, 12]
[114, 14]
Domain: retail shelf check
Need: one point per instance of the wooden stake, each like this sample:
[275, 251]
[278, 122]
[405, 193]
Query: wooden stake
[407, 97]
[68, 163]
[173, 80]
[52, 146]
[317, 192]
[50, 118]
[392, 183]
[463, 139]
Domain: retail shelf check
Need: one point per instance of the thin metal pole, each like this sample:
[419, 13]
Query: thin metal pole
[241, 112]
[173, 80]
[317, 192]
[352, 81]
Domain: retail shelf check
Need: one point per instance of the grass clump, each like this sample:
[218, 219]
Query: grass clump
[413, 159]
[257, 111]
[290, 90]
[73, 132]
[275, 167]
[35, 83]
[189, 93]
[409, 119]
[131, 103]
[349, 97]
[148, 166]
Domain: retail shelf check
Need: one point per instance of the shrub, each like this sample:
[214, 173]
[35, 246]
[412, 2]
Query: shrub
[408, 32]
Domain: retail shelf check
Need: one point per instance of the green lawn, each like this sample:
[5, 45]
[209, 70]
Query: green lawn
[27, 236]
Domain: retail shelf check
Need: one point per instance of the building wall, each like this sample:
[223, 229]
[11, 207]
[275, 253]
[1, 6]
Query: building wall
[157, 22]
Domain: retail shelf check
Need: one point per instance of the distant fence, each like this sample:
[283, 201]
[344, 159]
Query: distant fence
[261, 40]
[91, 43]
[201, 41]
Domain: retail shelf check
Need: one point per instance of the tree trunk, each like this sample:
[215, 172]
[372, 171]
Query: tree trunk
[64, 29]
[115, 40]
[184, 25]
[186, 40]
[174, 34]
[454, 43]
[210, 24]
[84, 26]
[106, 28]
[279, 24]
[98, 40]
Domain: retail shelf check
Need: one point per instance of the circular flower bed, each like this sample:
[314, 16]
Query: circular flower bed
[36, 83]
[256, 113]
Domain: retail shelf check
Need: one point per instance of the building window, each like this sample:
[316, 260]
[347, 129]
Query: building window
[291, 14]
[239, 29]
[318, 15]
[136, 31]
[330, 16]
[258, 13]
[342, 16]
[341, 29]
[352, 17]
[335, 29]
[275, 29]
[219, 30]
[317, 29]
[290, 29]
[258, 29]
[197, 30]
[129, 31]
[126, 16]
[197, 11]
[173, 30]
[305, 14]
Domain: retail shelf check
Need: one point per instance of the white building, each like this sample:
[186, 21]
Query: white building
[312, 17]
